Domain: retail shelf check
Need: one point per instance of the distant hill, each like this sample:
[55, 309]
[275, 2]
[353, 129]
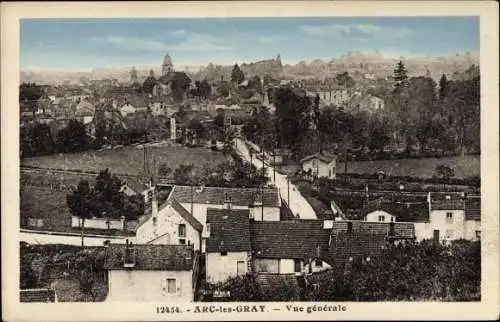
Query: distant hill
[365, 63]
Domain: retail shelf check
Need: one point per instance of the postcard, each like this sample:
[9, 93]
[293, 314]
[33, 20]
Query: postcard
[309, 160]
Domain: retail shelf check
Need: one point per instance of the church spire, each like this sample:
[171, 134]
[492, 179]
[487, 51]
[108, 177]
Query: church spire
[167, 65]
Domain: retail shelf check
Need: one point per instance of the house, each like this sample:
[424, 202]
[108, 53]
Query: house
[369, 103]
[151, 273]
[388, 211]
[287, 247]
[451, 216]
[84, 112]
[228, 247]
[320, 165]
[443, 217]
[352, 240]
[162, 105]
[263, 204]
[171, 224]
[130, 104]
[40, 295]
[337, 95]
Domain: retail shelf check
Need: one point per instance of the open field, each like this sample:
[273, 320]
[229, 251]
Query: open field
[129, 160]
[464, 166]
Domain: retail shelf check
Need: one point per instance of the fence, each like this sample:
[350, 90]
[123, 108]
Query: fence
[99, 223]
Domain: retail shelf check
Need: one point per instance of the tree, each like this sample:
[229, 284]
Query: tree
[183, 174]
[293, 114]
[205, 90]
[344, 79]
[443, 87]
[149, 83]
[108, 195]
[80, 203]
[237, 75]
[223, 90]
[444, 172]
[73, 138]
[197, 130]
[164, 170]
[400, 77]
[179, 86]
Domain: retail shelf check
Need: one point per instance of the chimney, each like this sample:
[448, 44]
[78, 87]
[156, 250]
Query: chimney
[349, 226]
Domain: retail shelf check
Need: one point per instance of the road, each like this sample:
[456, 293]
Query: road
[298, 204]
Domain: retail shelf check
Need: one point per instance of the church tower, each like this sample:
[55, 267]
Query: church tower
[167, 65]
[278, 60]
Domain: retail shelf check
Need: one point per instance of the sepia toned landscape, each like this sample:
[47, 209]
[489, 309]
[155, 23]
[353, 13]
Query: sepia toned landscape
[277, 159]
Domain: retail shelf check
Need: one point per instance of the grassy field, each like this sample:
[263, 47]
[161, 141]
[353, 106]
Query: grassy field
[425, 168]
[50, 205]
[129, 160]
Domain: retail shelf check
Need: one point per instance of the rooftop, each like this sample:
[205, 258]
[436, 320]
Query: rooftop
[217, 195]
[327, 158]
[295, 239]
[151, 257]
[229, 230]
[401, 229]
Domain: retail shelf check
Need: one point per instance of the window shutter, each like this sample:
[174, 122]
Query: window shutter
[178, 286]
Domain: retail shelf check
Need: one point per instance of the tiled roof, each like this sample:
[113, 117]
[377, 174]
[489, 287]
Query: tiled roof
[447, 201]
[406, 212]
[347, 246]
[37, 295]
[151, 257]
[473, 209]
[186, 214]
[320, 156]
[217, 195]
[229, 230]
[296, 239]
[401, 229]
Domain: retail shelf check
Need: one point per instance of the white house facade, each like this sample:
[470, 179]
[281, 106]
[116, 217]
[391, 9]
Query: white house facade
[320, 165]
[151, 273]
[171, 224]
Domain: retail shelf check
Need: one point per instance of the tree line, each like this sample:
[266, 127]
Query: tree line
[420, 118]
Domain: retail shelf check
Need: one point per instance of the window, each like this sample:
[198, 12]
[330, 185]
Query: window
[171, 285]
[449, 217]
[297, 265]
[182, 241]
[478, 234]
[318, 263]
[223, 253]
[314, 162]
[182, 230]
[240, 267]
[381, 218]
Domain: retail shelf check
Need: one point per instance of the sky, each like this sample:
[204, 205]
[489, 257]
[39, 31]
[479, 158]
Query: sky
[76, 44]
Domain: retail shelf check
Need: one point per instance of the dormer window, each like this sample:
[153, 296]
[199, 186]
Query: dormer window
[381, 218]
